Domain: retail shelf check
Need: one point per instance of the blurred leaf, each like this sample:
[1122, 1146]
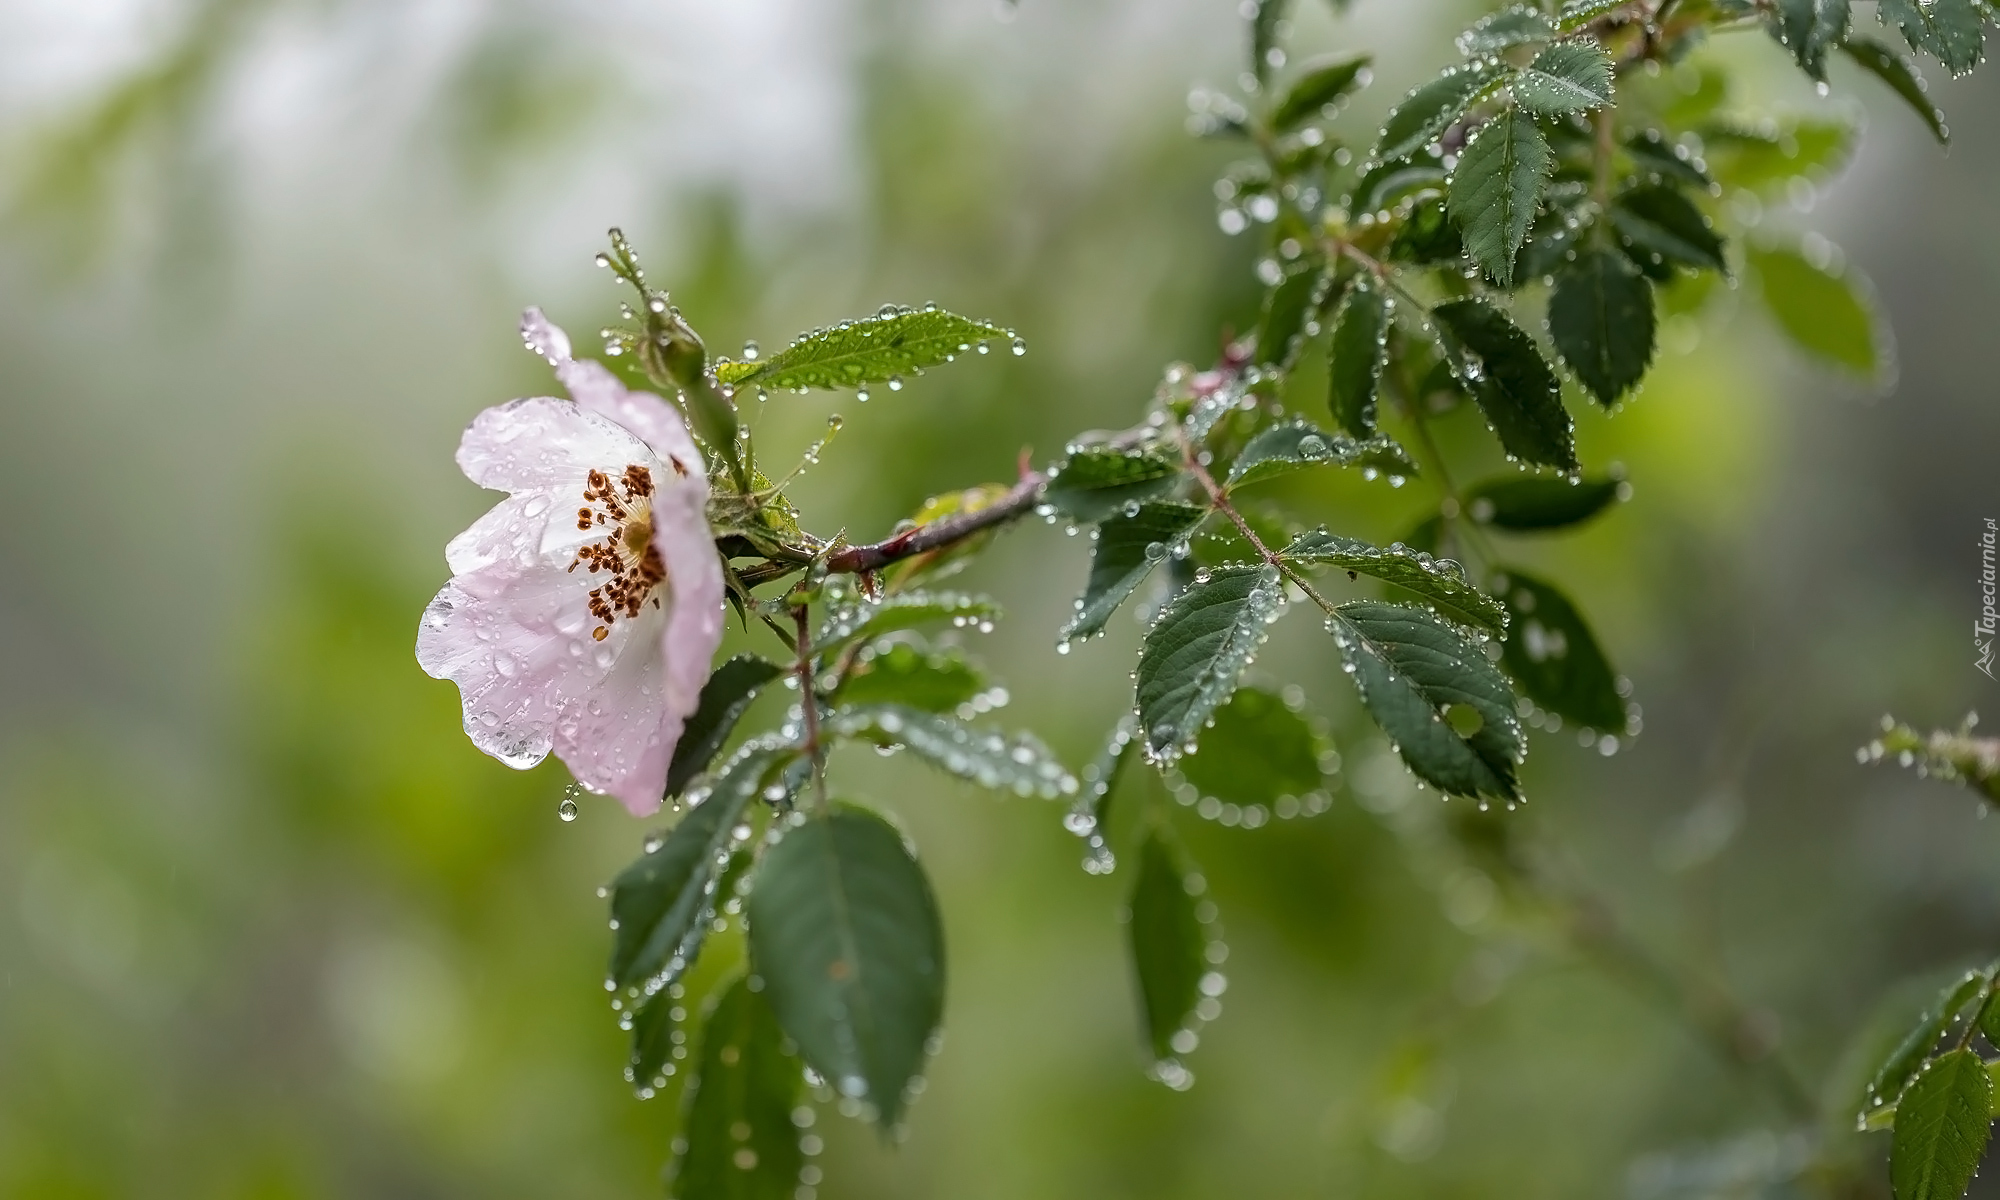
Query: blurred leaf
[1896, 71]
[1554, 657]
[1258, 751]
[653, 1028]
[1658, 221]
[1568, 77]
[1428, 237]
[1168, 944]
[1359, 349]
[1098, 482]
[1942, 1126]
[1577, 13]
[737, 1140]
[900, 673]
[1294, 445]
[1904, 1061]
[1809, 28]
[1019, 764]
[947, 559]
[1411, 668]
[1387, 184]
[1287, 306]
[1772, 153]
[1601, 320]
[893, 343]
[1553, 236]
[1124, 555]
[1513, 385]
[1524, 503]
[724, 698]
[1429, 110]
[1817, 308]
[856, 618]
[1264, 23]
[1656, 154]
[1952, 31]
[660, 904]
[1439, 581]
[1495, 190]
[845, 934]
[1323, 83]
[1198, 648]
[1509, 27]
[1089, 815]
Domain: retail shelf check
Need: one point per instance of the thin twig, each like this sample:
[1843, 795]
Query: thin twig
[809, 706]
[1019, 500]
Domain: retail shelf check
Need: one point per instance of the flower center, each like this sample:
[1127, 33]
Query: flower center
[623, 509]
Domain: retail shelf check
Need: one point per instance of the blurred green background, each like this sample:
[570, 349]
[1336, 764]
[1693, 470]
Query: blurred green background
[270, 927]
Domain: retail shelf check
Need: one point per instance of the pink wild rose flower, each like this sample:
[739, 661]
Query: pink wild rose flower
[584, 610]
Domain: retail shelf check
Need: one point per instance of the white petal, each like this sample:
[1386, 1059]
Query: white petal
[694, 619]
[526, 526]
[656, 422]
[545, 443]
[544, 336]
[619, 737]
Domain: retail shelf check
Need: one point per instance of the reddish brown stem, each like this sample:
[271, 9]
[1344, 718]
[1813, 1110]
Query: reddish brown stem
[1019, 500]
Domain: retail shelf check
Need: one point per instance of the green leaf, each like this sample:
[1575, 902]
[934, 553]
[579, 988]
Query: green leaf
[1387, 184]
[1769, 154]
[1281, 330]
[900, 673]
[1439, 581]
[1894, 1076]
[845, 934]
[1323, 83]
[1509, 27]
[724, 698]
[1656, 154]
[1429, 237]
[1295, 445]
[1819, 308]
[1429, 110]
[737, 1139]
[1127, 550]
[1509, 379]
[1019, 764]
[1524, 503]
[1099, 482]
[1169, 945]
[1657, 224]
[893, 343]
[1809, 28]
[1264, 34]
[1942, 1126]
[852, 617]
[1552, 238]
[1601, 320]
[1952, 31]
[1197, 649]
[1495, 189]
[653, 1028]
[1089, 815]
[1360, 348]
[1410, 668]
[1896, 71]
[660, 905]
[1260, 751]
[1554, 658]
[1578, 13]
[1568, 77]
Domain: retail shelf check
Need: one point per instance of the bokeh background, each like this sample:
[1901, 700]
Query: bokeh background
[270, 927]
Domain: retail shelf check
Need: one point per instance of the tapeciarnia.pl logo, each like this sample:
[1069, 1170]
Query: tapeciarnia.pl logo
[1983, 628]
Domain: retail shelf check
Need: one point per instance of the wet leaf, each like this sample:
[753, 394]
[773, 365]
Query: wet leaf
[1656, 223]
[856, 618]
[1770, 154]
[1512, 383]
[1495, 189]
[1322, 83]
[1818, 308]
[1429, 110]
[1098, 482]
[737, 1140]
[1896, 71]
[1951, 31]
[1264, 34]
[1195, 653]
[873, 349]
[1124, 555]
[1554, 658]
[1908, 1057]
[1568, 77]
[1809, 28]
[1577, 13]
[1168, 943]
[1295, 445]
[1601, 320]
[653, 1028]
[1440, 582]
[724, 698]
[1281, 330]
[1410, 667]
[1360, 348]
[1259, 751]
[1654, 153]
[845, 934]
[1019, 764]
[1429, 237]
[914, 676]
[1509, 27]
[1942, 1126]
[1525, 503]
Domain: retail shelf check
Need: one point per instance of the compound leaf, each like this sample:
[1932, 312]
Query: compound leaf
[1411, 668]
[737, 1140]
[845, 934]
[1554, 658]
[1168, 943]
[1496, 187]
[724, 698]
[1507, 376]
[893, 343]
[1601, 320]
[1197, 649]
[1439, 581]
[1127, 550]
